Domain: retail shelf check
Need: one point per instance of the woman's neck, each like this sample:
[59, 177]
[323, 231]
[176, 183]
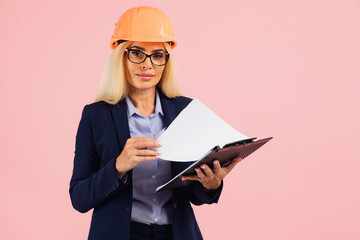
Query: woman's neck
[143, 100]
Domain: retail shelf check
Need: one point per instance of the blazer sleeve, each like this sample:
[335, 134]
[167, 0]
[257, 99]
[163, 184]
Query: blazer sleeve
[199, 197]
[90, 184]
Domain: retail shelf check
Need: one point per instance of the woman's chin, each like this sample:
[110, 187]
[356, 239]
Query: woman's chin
[144, 85]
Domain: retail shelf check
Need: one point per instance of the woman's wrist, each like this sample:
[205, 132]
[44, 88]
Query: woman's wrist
[122, 177]
[120, 174]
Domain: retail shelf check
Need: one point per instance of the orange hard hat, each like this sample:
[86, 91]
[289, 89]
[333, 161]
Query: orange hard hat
[145, 24]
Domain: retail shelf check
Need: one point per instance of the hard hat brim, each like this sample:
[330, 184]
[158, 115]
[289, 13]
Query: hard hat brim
[114, 42]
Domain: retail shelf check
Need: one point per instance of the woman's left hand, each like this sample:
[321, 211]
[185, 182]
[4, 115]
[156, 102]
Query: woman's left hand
[211, 178]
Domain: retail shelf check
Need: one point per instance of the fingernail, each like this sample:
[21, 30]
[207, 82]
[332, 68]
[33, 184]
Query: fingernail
[182, 179]
[196, 169]
[202, 166]
[215, 162]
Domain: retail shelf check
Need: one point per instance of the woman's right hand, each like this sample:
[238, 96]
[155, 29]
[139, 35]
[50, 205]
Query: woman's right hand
[136, 151]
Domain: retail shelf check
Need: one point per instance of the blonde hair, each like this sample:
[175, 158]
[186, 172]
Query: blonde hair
[113, 86]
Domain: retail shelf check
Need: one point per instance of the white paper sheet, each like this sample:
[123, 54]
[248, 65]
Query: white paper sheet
[194, 132]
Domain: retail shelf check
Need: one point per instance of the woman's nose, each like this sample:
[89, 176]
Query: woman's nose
[147, 64]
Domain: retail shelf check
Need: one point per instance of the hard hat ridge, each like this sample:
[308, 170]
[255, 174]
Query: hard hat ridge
[146, 24]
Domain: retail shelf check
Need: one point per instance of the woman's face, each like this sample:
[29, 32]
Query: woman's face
[144, 75]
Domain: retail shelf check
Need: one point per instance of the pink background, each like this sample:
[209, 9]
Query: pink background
[287, 69]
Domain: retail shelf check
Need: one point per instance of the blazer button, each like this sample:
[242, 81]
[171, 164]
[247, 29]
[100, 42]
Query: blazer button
[176, 204]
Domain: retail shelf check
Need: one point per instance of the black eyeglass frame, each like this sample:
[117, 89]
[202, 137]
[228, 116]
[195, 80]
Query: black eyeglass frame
[167, 55]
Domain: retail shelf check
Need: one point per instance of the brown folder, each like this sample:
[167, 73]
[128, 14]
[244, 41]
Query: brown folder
[230, 151]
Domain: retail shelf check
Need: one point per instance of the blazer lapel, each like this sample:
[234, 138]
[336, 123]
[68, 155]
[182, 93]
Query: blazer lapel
[168, 109]
[119, 115]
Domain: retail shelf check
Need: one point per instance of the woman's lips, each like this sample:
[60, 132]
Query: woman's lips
[145, 76]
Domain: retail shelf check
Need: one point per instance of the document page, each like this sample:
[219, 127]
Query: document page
[194, 132]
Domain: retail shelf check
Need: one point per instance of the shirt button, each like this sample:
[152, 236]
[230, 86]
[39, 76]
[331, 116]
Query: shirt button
[156, 219]
[153, 176]
[154, 199]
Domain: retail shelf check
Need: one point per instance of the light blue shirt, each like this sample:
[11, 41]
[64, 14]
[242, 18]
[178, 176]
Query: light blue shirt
[149, 206]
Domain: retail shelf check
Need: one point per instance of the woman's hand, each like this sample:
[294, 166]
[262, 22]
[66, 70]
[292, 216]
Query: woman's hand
[136, 151]
[211, 178]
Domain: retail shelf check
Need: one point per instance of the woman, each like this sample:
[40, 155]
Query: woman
[116, 165]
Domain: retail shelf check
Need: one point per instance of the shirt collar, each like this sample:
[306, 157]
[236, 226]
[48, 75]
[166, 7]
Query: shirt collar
[132, 110]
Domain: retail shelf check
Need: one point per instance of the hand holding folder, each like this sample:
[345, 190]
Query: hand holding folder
[224, 155]
[211, 178]
[192, 137]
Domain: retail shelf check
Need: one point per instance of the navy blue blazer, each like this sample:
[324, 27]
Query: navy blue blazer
[101, 136]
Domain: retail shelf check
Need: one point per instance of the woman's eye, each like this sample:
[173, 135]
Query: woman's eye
[136, 54]
[158, 56]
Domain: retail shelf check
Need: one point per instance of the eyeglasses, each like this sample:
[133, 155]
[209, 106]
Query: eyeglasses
[137, 56]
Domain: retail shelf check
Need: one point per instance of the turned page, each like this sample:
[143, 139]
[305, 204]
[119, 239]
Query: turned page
[194, 132]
